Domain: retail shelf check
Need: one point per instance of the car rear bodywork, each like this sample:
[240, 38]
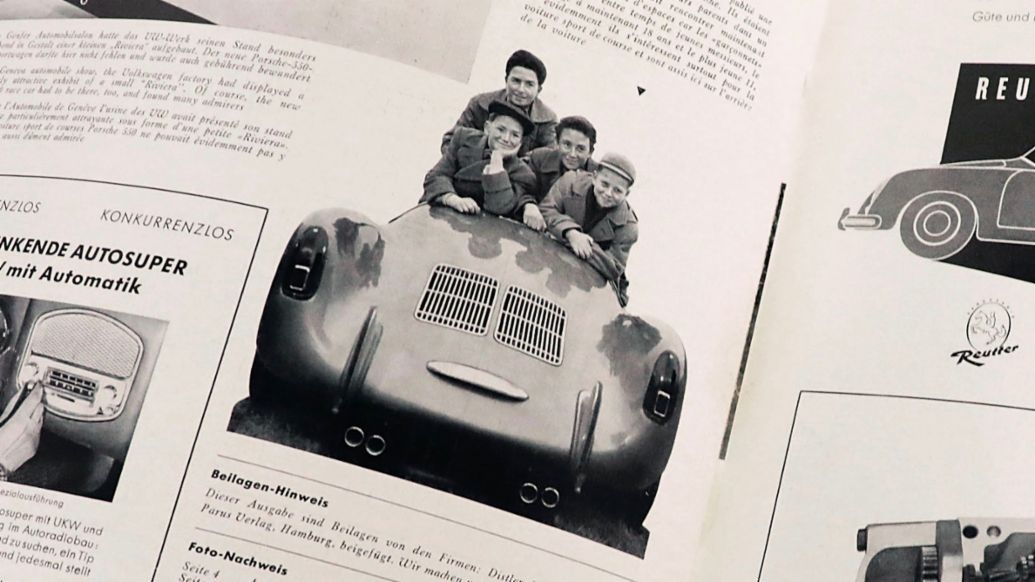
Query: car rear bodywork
[472, 354]
[939, 210]
[979, 185]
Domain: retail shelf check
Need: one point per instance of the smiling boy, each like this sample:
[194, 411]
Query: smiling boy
[576, 138]
[480, 168]
[590, 212]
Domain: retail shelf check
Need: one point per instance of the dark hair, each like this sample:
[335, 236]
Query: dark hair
[523, 58]
[579, 124]
[497, 108]
[493, 116]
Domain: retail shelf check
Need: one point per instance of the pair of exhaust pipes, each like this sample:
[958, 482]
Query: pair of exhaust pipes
[356, 437]
[970, 550]
[375, 445]
[530, 494]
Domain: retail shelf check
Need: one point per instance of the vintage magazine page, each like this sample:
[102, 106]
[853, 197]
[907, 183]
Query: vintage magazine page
[886, 413]
[252, 331]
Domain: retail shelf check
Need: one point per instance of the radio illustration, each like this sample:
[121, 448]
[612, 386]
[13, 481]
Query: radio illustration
[964, 550]
[93, 367]
[82, 383]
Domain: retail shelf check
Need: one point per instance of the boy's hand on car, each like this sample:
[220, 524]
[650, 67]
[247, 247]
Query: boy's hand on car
[533, 218]
[581, 243]
[460, 204]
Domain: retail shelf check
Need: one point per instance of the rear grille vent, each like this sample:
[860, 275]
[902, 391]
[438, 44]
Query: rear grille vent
[532, 324]
[458, 299]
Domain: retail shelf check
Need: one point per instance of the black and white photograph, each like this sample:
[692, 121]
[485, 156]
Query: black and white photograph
[517, 291]
[479, 342]
[948, 550]
[878, 488]
[73, 380]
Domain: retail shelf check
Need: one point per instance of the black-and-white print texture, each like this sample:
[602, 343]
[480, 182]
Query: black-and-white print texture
[73, 380]
[975, 207]
[474, 355]
[439, 37]
[948, 550]
[858, 460]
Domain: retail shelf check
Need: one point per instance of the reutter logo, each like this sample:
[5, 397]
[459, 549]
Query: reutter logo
[988, 328]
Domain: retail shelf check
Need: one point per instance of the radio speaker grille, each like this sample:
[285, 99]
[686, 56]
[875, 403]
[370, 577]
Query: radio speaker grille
[87, 340]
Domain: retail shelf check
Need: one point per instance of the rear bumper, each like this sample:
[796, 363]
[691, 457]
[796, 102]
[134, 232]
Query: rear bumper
[485, 467]
[849, 221]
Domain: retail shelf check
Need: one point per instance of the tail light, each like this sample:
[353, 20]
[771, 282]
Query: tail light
[304, 262]
[659, 403]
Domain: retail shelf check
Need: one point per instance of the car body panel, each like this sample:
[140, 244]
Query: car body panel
[1001, 193]
[383, 270]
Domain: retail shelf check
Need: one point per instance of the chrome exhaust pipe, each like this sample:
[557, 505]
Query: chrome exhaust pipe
[354, 436]
[529, 493]
[375, 445]
[550, 498]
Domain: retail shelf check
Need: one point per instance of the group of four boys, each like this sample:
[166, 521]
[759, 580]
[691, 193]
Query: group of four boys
[508, 155]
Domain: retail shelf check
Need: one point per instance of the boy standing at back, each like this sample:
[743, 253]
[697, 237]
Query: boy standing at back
[523, 80]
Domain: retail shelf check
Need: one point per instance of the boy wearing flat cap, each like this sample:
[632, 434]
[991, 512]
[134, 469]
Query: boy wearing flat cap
[480, 168]
[590, 212]
[525, 75]
[576, 138]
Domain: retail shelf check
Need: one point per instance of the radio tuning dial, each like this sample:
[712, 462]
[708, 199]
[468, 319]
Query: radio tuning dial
[105, 400]
[29, 376]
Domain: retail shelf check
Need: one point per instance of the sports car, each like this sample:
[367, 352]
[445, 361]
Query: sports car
[968, 550]
[474, 355]
[941, 209]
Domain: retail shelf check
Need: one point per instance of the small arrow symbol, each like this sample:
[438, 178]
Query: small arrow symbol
[640, 90]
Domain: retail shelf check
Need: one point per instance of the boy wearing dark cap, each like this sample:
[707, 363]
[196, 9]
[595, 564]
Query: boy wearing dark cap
[576, 138]
[590, 212]
[525, 75]
[480, 168]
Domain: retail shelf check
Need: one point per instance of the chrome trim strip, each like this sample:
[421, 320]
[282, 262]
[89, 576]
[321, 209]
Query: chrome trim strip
[476, 378]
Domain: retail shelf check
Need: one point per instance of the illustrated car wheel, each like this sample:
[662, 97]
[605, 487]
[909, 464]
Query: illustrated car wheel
[937, 225]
